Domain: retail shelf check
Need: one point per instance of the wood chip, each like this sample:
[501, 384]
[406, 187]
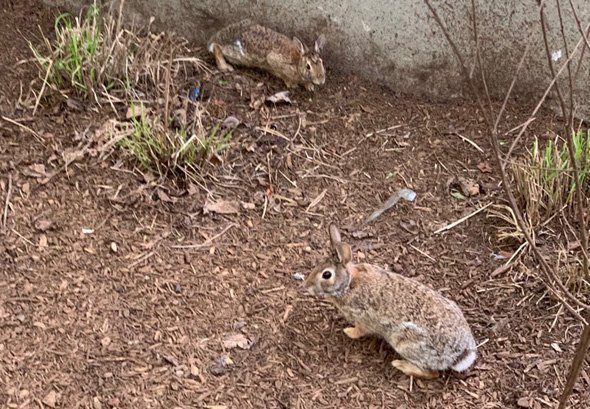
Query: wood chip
[221, 207]
[236, 340]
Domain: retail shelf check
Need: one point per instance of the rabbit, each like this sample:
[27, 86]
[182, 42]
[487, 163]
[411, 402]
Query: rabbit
[427, 330]
[251, 45]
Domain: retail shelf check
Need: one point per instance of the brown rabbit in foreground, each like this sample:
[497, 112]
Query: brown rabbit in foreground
[427, 330]
[252, 45]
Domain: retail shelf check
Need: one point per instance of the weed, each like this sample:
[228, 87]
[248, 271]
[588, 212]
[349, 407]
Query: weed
[77, 58]
[160, 149]
[571, 271]
[93, 55]
[544, 179]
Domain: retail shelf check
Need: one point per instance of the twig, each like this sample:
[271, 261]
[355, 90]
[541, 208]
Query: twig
[478, 56]
[317, 200]
[266, 129]
[576, 366]
[23, 237]
[43, 87]
[469, 141]
[461, 220]
[571, 153]
[423, 252]
[26, 128]
[391, 128]
[7, 202]
[517, 252]
[142, 258]
[206, 242]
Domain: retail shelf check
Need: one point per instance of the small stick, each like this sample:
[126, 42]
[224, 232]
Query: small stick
[141, 259]
[517, 252]
[422, 252]
[272, 132]
[469, 141]
[391, 128]
[26, 128]
[461, 220]
[23, 237]
[317, 200]
[206, 242]
[42, 87]
[7, 202]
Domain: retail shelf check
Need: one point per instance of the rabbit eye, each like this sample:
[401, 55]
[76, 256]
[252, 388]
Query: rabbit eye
[308, 66]
[326, 275]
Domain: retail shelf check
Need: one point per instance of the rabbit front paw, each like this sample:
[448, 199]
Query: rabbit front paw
[410, 369]
[353, 332]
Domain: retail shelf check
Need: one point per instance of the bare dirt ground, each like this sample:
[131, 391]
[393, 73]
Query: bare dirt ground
[128, 316]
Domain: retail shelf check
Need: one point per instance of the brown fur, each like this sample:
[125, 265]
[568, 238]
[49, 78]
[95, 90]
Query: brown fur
[428, 330]
[251, 45]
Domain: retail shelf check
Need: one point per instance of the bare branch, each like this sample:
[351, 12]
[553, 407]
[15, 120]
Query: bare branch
[478, 57]
[576, 366]
[542, 100]
[551, 276]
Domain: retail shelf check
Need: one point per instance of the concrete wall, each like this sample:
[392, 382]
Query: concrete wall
[396, 42]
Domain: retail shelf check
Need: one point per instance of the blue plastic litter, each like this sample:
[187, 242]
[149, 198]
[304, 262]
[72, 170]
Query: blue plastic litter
[194, 95]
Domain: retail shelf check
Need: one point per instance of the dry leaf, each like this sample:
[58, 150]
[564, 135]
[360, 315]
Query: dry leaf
[39, 325]
[36, 171]
[221, 207]
[221, 364]
[524, 403]
[367, 109]
[230, 122]
[43, 225]
[50, 399]
[164, 197]
[192, 189]
[317, 200]
[248, 206]
[282, 96]
[136, 111]
[467, 187]
[43, 241]
[236, 340]
[573, 245]
[485, 167]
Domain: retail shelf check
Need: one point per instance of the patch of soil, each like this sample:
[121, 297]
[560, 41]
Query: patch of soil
[121, 293]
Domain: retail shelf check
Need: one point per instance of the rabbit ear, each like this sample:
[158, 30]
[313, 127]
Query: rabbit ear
[344, 253]
[299, 45]
[334, 235]
[319, 43]
[343, 250]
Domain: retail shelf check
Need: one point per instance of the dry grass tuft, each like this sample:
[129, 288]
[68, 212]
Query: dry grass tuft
[571, 271]
[94, 57]
[544, 180]
[544, 184]
[185, 145]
